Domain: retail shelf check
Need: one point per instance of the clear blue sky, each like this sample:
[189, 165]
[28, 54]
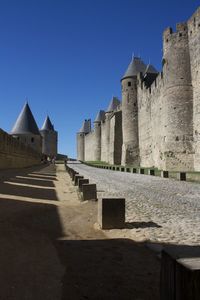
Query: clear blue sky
[68, 57]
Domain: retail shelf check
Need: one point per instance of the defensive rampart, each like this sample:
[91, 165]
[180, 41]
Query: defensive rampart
[14, 154]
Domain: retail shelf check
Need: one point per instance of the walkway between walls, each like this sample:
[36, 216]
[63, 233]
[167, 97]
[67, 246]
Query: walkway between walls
[50, 248]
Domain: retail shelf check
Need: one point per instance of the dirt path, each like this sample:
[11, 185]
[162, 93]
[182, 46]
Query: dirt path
[51, 250]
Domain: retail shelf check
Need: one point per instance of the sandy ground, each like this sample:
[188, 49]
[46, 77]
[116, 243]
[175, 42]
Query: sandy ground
[51, 249]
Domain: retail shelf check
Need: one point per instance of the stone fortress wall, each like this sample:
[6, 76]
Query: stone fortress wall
[26, 145]
[15, 154]
[158, 122]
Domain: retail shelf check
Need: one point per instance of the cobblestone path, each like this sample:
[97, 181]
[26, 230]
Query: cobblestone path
[157, 209]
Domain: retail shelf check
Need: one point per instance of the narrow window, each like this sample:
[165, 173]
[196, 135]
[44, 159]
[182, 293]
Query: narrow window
[32, 140]
[129, 83]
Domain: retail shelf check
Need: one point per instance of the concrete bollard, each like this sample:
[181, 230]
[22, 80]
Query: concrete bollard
[111, 213]
[82, 181]
[141, 171]
[76, 178]
[151, 172]
[73, 174]
[181, 176]
[164, 174]
[180, 273]
[89, 191]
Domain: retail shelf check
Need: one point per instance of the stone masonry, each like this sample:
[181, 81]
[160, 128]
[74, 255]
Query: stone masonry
[15, 154]
[159, 125]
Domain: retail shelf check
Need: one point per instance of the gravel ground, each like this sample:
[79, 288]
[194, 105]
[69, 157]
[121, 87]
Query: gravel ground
[157, 209]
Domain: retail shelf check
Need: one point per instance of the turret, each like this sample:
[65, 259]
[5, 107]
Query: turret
[97, 135]
[86, 128]
[49, 139]
[26, 130]
[150, 75]
[130, 148]
[177, 100]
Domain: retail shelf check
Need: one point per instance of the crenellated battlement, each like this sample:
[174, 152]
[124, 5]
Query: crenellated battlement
[179, 36]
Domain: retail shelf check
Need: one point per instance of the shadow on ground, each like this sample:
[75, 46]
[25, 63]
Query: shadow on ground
[132, 225]
[38, 261]
[108, 269]
[34, 187]
[33, 181]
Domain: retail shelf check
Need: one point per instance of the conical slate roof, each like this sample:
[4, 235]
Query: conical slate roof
[100, 116]
[136, 66]
[113, 104]
[25, 123]
[86, 127]
[150, 69]
[47, 125]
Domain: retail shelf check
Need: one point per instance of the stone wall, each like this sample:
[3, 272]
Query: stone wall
[115, 145]
[14, 154]
[80, 137]
[90, 146]
[194, 48]
[103, 141]
[49, 142]
[159, 125]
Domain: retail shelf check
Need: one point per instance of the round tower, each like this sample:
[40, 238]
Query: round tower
[97, 135]
[26, 130]
[177, 100]
[49, 139]
[80, 139]
[130, 147]
[194, 45]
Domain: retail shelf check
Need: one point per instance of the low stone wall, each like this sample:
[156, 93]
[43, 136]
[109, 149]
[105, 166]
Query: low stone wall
[14, 154]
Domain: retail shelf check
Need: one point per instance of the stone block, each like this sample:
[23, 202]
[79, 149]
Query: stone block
[82, 181]
[141, 171]
[164, 174]
[151, 172]
[73, 173]
[181, 176]
[76, 178]
[89, 191]
[111, 213]
[180, 273]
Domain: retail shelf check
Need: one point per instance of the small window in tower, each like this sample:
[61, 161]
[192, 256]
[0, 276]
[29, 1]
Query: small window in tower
[32, 140]
[129, 83]
[180, 34]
